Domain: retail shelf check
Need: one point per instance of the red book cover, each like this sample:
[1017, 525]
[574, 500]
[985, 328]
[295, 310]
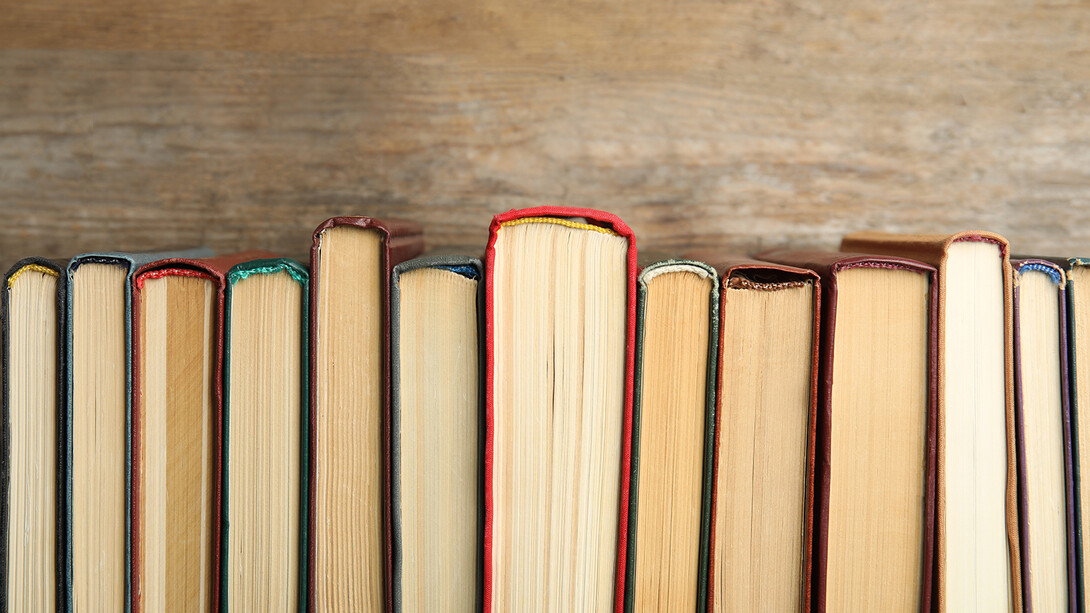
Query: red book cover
[593, 217]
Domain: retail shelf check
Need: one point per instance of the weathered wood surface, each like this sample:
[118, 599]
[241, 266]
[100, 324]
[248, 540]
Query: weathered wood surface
[748, 124]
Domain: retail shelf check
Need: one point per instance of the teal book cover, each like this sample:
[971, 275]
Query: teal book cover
[265, 461]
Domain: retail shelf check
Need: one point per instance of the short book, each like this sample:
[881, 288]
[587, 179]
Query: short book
[437, 433]
[673, 417]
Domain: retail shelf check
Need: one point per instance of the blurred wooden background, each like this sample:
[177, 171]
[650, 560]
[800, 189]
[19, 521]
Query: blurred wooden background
[127, 124]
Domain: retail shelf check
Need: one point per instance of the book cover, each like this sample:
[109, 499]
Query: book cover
[1076, 270]
[615, 225]
[400, 240]
[1023, 369]
[49, 268]
[649, 269]
[471, 268]
[238, 272]
[745, 273]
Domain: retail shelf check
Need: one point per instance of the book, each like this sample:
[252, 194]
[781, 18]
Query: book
[437, 432]
[264, 468]
[673, 416]
[32, 464]
[98, 335]
[875, 432]
[177, 445]
[765, 437]
[1043, 429]
[560, 341]
[1078, 329]
[976, 523]
[349, 548]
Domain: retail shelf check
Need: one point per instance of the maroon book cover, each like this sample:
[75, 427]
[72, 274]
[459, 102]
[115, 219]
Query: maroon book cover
[401, 240]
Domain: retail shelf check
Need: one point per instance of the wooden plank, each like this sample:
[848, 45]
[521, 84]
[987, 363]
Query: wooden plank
[746, 125]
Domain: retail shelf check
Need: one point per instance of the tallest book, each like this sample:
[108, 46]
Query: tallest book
[349, 530]
[560, 332]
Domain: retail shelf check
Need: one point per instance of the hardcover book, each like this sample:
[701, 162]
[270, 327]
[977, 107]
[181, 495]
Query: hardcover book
[177, 417]
[977, 560]
[1043, 427]
[350, 551]
[874, 499]
[32, 461]
[673, 416]
[264, 471]
[437, 429]
[765, 435]
[98, 335]
[560, 348]
[1078, 327]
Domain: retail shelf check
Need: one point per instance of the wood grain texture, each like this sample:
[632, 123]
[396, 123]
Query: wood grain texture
[748, 125]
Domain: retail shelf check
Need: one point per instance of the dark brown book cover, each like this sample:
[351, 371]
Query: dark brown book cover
[933, 249]
[828, 265]
[216, 269]
[401, 240]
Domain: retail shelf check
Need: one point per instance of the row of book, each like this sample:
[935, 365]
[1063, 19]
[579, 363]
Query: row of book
[561, 426]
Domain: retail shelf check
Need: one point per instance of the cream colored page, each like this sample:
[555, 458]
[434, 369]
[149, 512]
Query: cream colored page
[1039, 367]
[348, 324]
[559, 313]
[178, 462]
[440, 421]
[672, 422]
[32, 493]
[263, 465]
[975, 439]
[99, 407]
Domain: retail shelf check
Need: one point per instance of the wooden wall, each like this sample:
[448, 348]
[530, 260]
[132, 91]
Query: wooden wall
[127, 124]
